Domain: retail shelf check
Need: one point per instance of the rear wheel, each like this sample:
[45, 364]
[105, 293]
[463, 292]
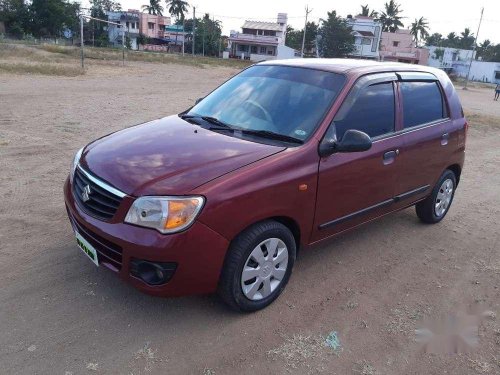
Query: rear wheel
[435, 207]
[258, 266]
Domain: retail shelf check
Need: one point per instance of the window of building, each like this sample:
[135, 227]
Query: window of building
[497, 75]
[151, 25]
[372, 112]
[366, 41]
[395, 44]
[269, 33]
[270, 52]
[422, 103]
[127, 24]
[263, 51]
[253, 49]
[242, 47]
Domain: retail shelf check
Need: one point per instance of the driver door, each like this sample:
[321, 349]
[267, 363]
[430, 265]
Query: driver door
[358, 186]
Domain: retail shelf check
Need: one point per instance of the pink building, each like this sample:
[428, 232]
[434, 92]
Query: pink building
[399, 46]
[153, 26]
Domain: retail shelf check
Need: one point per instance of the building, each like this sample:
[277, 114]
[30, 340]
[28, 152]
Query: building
[129, 22]
[399, 46]
[260, 41]
[367, 33]
[135, 23]
[153, 26]
[445, 57]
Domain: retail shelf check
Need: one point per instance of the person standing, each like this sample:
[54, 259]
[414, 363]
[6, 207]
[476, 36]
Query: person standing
[497, 92]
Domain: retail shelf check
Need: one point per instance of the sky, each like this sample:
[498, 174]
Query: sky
[444, 16]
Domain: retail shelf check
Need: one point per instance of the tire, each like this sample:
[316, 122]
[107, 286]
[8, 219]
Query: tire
[255, 270]
[435, 207]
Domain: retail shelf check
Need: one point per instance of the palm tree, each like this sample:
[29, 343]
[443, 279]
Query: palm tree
[451, 40]
[390, 18]
[365, 11]
[419, 30]
[154, 7]
[177, 8]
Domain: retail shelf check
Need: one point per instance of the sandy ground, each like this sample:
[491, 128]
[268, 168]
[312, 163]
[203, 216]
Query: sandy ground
[59, 314]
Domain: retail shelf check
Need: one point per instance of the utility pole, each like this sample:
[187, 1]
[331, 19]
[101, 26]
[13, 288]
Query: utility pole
[305, 28]
[473, 49]
[123, 46]
[81, 39]
[194, 29]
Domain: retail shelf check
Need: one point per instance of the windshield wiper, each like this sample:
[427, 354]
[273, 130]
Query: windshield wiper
[209, 119]
[272, 135]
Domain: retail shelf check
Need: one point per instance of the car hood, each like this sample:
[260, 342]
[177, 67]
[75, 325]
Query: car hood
[168, 156]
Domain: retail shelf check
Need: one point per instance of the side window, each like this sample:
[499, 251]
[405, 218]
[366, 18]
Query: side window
[422, 103]
[372, 111]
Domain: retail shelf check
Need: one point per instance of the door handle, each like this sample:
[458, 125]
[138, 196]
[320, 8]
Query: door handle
[389, 156]
[444, 139]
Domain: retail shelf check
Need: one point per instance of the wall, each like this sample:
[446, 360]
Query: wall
[480, 71]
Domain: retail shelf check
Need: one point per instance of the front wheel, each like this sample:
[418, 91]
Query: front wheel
[435, 207]
[258, 266]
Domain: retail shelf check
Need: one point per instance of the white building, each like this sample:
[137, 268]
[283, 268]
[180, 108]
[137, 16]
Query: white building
[367, 33]
[129, 22]
[260, 41]
[445, 57]
[456, 61]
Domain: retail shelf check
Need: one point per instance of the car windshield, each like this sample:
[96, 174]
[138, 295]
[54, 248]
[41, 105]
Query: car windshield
[288, 101]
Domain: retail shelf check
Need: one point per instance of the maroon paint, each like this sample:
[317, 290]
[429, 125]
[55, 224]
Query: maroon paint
[245, 182]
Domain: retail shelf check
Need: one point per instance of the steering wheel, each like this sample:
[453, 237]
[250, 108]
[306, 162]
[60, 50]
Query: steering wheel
[267, 115]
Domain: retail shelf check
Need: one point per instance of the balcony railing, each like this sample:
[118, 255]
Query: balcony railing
[255, 38]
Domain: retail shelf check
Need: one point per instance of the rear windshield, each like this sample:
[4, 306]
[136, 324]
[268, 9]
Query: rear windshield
[286, 100]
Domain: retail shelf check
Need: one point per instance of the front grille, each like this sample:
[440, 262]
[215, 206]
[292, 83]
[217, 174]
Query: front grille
[101, 203]
[107, 252]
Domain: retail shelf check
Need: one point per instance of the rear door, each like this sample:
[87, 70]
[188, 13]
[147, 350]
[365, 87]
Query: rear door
[426, 142]
[358, 186]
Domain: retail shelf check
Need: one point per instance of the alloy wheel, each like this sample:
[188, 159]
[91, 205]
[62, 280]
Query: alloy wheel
[443, 197]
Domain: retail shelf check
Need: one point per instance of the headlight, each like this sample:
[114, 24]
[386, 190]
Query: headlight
[76, 160]
[165, 214]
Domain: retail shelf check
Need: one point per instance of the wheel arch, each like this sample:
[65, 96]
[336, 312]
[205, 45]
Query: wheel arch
[457, 170]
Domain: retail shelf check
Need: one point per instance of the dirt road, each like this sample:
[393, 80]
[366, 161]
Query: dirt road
[373, 287]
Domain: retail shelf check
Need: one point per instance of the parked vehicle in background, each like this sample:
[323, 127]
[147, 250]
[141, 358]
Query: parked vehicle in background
[283, 156]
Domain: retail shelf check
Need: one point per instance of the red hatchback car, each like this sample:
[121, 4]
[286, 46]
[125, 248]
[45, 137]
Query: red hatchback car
[282, 156]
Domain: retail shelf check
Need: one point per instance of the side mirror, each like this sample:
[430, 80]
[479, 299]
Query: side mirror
[352, 141]
[198, 100]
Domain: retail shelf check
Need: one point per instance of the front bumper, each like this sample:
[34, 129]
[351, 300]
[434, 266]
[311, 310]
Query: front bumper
[198, 251]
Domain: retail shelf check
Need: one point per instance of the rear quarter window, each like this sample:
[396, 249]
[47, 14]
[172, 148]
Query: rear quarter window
[422, 103]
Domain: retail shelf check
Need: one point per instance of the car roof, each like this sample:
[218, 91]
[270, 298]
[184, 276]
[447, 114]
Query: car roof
[350, 66]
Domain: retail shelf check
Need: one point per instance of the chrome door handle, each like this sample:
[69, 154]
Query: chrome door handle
[444, 139]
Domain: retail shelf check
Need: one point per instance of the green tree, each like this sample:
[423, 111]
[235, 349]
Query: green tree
[365, 11]
[208, 35]
[154, 7]
[452, 40]
[49, 18]
[15, 15]
[484, 50]
[177, 8]
[467, 39]
[293, 38]
[390, 17]
[419, 30]
[97, 31]
[435, 39]
[336, 36]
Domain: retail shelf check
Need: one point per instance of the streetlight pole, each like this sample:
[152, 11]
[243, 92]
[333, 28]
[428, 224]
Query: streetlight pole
[473, 50]
[305, 29]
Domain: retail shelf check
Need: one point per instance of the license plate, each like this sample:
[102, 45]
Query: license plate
[87, 248]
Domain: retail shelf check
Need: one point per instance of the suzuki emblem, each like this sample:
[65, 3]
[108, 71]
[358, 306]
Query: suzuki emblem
[85, 193]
